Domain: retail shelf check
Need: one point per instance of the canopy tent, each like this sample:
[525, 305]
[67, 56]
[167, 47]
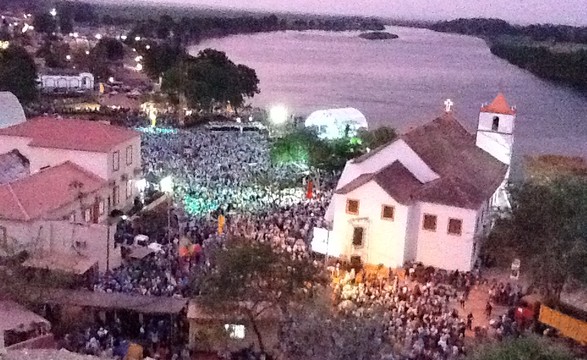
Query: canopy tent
[333, 123]
[67, 263]
[113, 301]
[15, 317]
[12, 112]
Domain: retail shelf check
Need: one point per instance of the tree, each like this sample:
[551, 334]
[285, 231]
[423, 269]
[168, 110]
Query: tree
[160, 58]
[211, 78]
[523, 348]
[65, 13]
[546, 229]
[317, 331]
[45, 23]
[108, 49]
[18, 73]
[373, 139]
[259, 278]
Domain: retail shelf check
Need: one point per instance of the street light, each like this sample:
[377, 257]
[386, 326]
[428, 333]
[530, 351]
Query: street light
[53, 12]
[278, 114]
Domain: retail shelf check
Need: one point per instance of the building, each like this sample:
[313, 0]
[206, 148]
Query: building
[66, 80]
[336, 123]
[12, 112]
[230, 330]
[109, 152]
[19, 325]
[427, 195]
[58, 216]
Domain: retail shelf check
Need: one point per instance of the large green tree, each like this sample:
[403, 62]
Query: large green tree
[377, 137]
[160, 58]
[260, 279]
[547, 230]
[211, 78]
[18, 73]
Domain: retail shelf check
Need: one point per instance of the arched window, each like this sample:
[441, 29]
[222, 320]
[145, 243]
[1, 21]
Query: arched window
[495, 124]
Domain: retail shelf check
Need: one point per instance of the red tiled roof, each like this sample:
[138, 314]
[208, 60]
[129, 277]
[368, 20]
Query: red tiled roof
[38, 195]
[394, 179]
[499, 105]
[468, 175]
[68, 134]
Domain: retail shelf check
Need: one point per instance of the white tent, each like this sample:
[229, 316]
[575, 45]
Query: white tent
[11, 112]
[333, 123]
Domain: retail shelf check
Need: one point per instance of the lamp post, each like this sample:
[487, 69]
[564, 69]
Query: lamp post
[166, 186]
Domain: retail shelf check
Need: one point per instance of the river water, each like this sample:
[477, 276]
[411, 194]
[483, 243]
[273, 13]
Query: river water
[404, 82]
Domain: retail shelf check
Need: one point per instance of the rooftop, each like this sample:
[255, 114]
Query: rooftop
[499, 105]
[82, 135]
[12, 112]
[15, 317]
[37, 195]
[468, 175]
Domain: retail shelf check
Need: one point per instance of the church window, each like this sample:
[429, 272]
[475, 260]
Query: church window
[387, 212]
[358, 234]
[495, 124]
[352, 207]
[429, 222]
[455, 226]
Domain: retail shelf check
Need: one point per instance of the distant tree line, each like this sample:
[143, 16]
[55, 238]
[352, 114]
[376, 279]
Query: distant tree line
[492, 28]
[530, 47]
[199, 28]
[565, 67]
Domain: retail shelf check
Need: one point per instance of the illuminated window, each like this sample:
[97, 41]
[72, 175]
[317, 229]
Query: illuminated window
[72, 217]
[101, 208]
[129, 155]
[115, 161]
[128, 189]
[352, 207]
[387, 212]
[235, 331]
[358, 234]
[88, 215]
[455, 226]
[429, 222]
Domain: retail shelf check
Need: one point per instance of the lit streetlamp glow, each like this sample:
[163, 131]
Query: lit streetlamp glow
[166, 185]
[53, 12]
[278, 114]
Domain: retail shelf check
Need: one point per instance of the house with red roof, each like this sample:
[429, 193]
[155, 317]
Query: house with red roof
[427, 195]
[109, 152]
[57, 215]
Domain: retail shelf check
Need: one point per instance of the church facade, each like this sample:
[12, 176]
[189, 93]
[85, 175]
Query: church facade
[427, 195]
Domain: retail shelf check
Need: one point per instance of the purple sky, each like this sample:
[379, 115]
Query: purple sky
[573, 12]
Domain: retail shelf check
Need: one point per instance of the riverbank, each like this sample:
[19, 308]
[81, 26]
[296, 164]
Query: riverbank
[553, 52]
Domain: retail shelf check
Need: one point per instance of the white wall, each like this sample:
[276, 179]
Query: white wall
[439, 248]
[40, 157]
[398, 150]
[125, 169]
[497, 143]
[43, 237]
[384, 239]
[68, 81]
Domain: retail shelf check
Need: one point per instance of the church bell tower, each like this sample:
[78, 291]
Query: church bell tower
[495, 131]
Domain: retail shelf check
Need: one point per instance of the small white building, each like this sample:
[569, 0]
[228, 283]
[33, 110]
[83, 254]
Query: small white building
[427, 195]
[66, 80]
[334, 123]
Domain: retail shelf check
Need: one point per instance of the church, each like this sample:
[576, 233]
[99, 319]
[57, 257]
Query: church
[427, 195]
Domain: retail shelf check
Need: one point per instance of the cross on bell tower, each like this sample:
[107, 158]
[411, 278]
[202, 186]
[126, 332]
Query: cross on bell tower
[448, 104]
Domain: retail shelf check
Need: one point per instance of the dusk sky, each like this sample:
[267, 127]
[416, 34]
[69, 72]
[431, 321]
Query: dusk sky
[573, 12]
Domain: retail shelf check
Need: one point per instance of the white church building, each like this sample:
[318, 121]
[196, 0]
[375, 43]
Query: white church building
[427, 195]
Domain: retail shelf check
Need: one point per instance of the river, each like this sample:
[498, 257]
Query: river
[404, 82]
